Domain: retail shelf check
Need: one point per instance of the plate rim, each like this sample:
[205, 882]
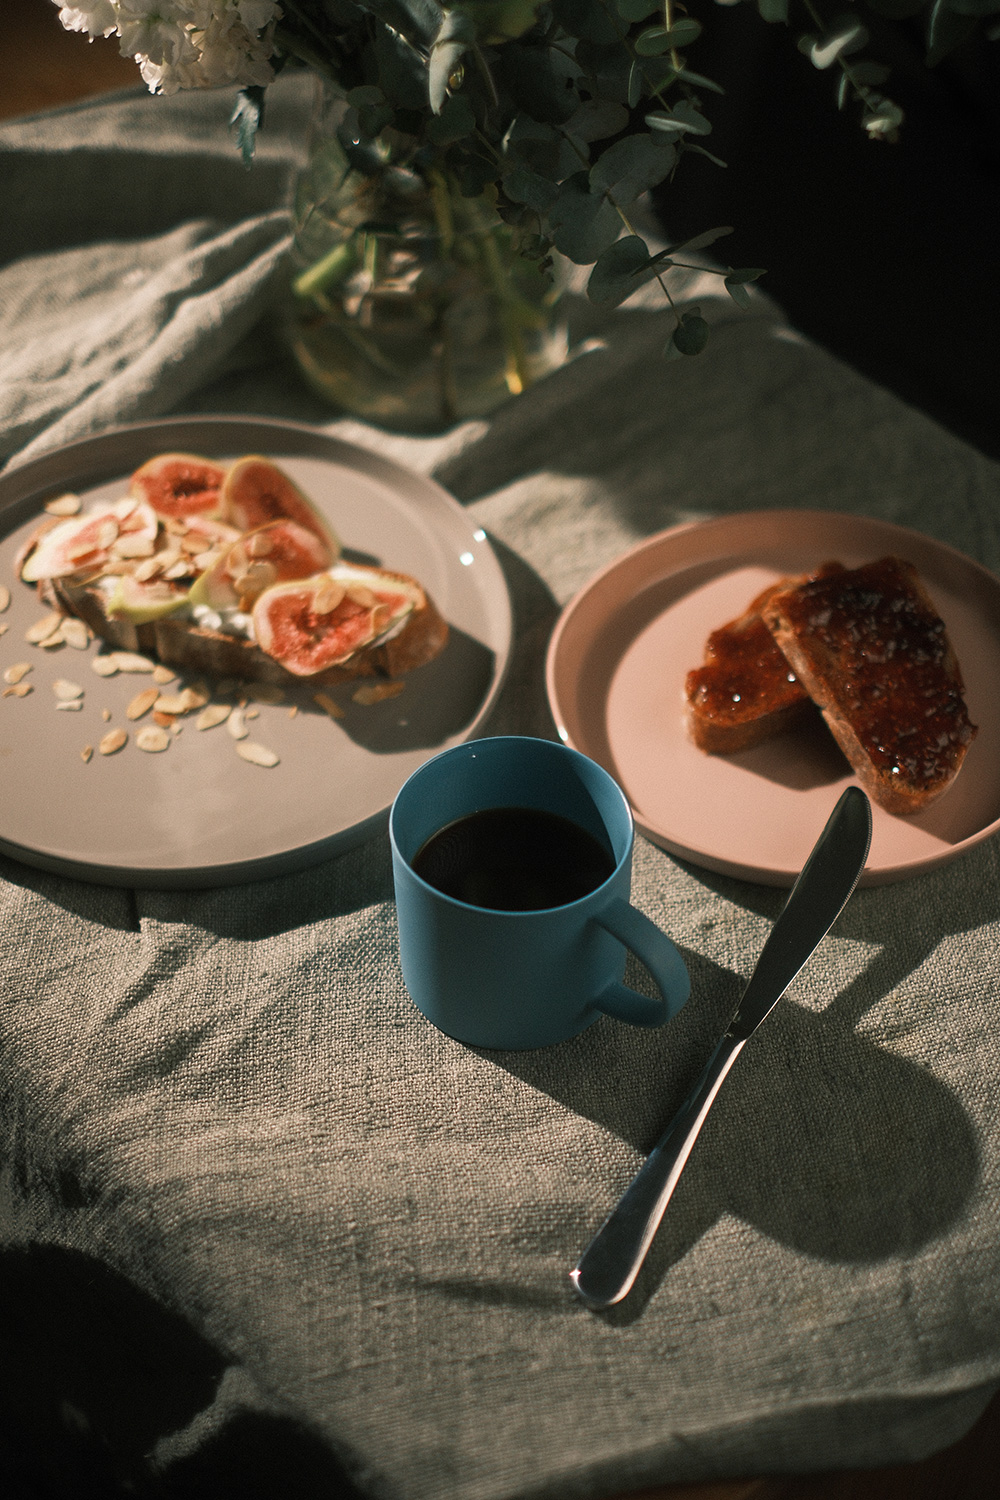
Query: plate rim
[20, 482]
[757, 874]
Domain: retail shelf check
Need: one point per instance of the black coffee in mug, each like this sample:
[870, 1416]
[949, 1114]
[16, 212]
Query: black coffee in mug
[514, 859]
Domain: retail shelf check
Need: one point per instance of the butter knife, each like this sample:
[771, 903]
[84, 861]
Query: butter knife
[611, 1262]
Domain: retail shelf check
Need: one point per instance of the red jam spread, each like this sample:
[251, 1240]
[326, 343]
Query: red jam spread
[744, 676]
[893, 674]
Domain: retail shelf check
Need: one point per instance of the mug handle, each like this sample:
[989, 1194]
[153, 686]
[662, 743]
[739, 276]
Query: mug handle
[661, 958]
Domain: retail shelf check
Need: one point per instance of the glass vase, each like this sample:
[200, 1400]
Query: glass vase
[410, 305]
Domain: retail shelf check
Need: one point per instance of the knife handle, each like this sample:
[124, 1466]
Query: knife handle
[612, 1260]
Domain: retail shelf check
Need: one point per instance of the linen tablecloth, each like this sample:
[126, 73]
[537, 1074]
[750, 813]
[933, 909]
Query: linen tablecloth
[265, 1231]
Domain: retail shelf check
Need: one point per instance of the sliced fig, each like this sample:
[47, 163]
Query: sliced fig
[274, 553]
[81, 545]
[179, 484]
[141, 602]
[257, 491]
[322, 621]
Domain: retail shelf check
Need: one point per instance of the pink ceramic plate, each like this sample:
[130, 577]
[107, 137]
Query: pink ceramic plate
[615, 677]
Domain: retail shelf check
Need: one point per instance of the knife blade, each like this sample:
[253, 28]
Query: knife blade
[608, 1267]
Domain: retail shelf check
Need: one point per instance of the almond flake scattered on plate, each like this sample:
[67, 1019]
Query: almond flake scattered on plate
[43, 628]
[19, 690]
[75, 634]
[376, 692]
[112, 741]
[66, 690]
[86, 753]
[142, 703]
[256, 754]
[130, 661]
[152, 739]
[104, 666]
[164, 675]
[17, 671]
[69, 705]
[329, 705]
[4, 597]
[64, 505]
[215, 713]
[236, 726]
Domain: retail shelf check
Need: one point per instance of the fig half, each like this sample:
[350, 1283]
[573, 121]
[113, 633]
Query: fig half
[256, 491]
[179, 484]
[322, 621]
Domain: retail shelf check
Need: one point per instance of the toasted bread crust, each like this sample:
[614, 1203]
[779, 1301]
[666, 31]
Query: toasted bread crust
[872, 652]
[201, 652]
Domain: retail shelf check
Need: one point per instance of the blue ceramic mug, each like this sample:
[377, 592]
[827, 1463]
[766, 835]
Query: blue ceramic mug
[524, 978]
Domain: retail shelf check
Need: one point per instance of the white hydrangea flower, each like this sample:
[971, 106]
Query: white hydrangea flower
[95, 17]
[185, 44]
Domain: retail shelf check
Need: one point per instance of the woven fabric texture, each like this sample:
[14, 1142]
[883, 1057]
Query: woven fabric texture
[222, 1114]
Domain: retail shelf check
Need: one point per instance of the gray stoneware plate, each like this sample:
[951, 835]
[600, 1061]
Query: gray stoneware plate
[198, 815]
[621, 651]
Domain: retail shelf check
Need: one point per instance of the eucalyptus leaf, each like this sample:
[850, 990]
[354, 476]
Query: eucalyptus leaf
[456, 35]
[530, 188]
[773, 10]
[691, 334]
[632, 166]
[946, 30]
[682, 118]
[596, 119]
[583, 224]
[701, 151]
[637, 10]
[653, 43]
[621, 270]
[417, 20]
[701, 241]
[523, 74]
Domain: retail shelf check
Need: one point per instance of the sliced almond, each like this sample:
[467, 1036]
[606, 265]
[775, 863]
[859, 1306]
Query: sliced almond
[69, 705]
[172, 703]
[64, 505]
[142, 703]
[215, 713]
[17, 671]
[266, 692]
[106, 715]
[65, 690]
[193, 543]
[134, 546]
[329, 705]
[197, 695]
[293, 710]
[328, 596]
[86, 753]
[75, 634]
[164, 675]
[130, 661]
[4, 597]
[165, 721]
[104, 666]
[183, 568]
[235, 725]
[3, 629]
[19, 690]
[251, 713]
[52, 642]
[361, 595]
[152, 739]
[377, 692]
[256, 754]
[259, 544]
[205, 560]
[148, 569]
[43, 628]
[112, 741]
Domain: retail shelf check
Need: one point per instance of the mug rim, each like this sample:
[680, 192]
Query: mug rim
[497, 911]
